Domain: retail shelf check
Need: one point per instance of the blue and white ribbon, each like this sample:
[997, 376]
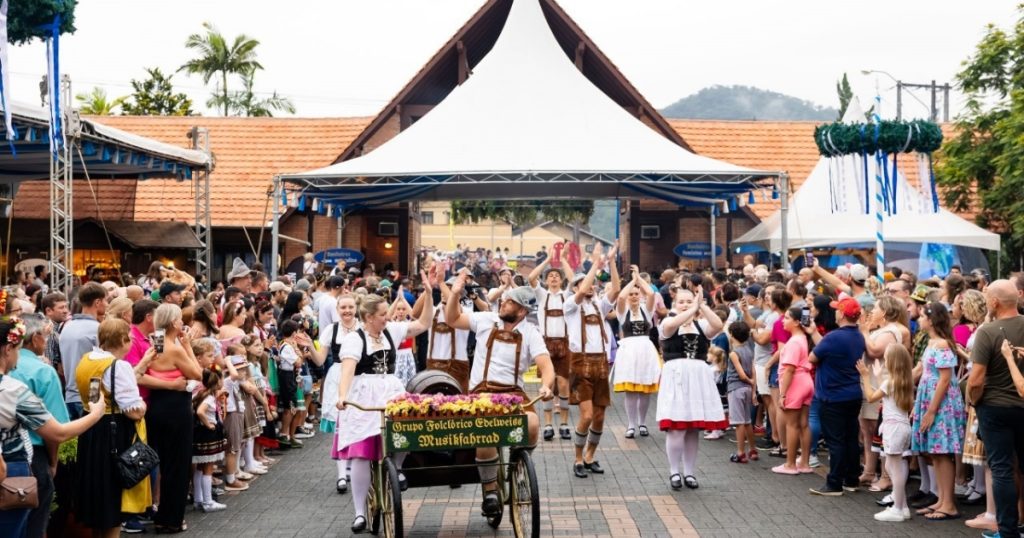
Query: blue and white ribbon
[5, 76]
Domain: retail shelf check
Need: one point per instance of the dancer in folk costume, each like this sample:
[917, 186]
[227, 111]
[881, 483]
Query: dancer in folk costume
[506, 347]
[448, 348]
[637, 365]
[551, 319]
[589, 344]
[688, 399]
[368, 358]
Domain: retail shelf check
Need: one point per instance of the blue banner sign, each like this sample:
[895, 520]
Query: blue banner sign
[332, 256]
[696, 250]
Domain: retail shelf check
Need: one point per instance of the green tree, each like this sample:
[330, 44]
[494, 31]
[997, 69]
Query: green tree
[155, 96]
[96, 103]
[845, 93]
[216, 57]
[985, 155]
[31, 19]
[246, 103]
[522, 212]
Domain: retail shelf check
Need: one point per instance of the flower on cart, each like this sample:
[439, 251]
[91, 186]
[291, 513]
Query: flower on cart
[516, 435]
[399, 440]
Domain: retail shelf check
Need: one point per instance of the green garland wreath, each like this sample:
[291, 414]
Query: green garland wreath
[26, 19]
[836, 139]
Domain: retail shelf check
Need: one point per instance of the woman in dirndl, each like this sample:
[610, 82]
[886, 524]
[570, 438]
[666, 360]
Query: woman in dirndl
[405, 365]
[368, 358]
[331, 338]
[637, 366]
[688, 399]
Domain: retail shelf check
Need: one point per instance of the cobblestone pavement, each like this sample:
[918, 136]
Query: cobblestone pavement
[297, 498]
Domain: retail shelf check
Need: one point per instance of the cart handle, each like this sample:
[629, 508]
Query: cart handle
[533, 401]
[361, 408]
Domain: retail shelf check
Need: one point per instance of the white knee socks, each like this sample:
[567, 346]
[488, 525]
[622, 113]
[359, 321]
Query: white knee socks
[926, 482]
[342, 469]
[207, 488]
[979, 478]
[247, 457]
[674, 441]
[360, 485]
[631, 409]
[197, 487]
[690, 445]
[932, 481]
[898, 470]
[643, 402]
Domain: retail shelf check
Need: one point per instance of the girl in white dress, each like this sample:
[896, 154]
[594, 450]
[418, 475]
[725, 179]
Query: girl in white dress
[688, 399]
[637, 366]
[368, 358]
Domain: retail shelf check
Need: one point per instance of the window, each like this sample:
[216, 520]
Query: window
[650, 231]
[427, 217]
[387, 229]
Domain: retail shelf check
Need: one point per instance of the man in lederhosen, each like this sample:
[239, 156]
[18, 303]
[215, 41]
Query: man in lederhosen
[589, 344]
[551, 318]
[506, 347]
[447, 350]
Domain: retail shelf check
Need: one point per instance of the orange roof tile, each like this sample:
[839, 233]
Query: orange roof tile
[786, 146]
[248, 153]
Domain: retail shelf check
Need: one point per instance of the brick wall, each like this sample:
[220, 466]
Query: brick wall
[386, 132]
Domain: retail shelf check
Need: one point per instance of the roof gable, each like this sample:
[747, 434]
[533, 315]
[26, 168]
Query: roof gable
[453, 63]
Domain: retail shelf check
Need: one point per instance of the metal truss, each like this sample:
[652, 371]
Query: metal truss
[62, 222]
[201, 176]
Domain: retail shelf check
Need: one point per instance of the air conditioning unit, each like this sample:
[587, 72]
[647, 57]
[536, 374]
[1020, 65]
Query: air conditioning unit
[387, 229]
[650, 231]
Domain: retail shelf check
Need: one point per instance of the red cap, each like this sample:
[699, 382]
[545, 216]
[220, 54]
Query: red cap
[848, 306]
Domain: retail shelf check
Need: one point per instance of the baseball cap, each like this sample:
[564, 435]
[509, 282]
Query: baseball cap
[277, 286]
[753, 290]
[578, 278]
[859, 273]
[847, 306]
[302, 285]
[238, 360]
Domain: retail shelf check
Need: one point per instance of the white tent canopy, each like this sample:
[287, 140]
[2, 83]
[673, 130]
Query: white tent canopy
[829, 209]
[526, 114]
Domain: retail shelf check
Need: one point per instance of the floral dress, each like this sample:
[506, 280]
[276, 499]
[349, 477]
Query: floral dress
[946, 436]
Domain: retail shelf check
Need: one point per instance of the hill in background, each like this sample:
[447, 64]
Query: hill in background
[746, 103]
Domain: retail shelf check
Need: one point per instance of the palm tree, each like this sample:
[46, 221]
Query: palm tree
[96, 103]
[215, 57]
[245, 102]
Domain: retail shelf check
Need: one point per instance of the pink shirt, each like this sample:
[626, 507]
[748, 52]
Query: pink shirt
[794, 353]
[779, 334]
[140, 345]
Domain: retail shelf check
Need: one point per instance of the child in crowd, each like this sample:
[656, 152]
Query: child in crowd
[265, 413]
[208, 441]
[897, 395]
[741, 384]
[234, 427]
[248, 398]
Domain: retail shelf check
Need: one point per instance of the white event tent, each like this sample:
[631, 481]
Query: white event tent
[526, 124]
[829, 210]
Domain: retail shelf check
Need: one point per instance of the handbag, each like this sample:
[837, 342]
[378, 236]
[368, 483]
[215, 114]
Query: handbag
[16, 492]
[136, 462]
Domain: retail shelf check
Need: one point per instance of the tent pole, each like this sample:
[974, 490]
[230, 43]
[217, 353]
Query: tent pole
[711, 251]
[784, 255]
[275, 232]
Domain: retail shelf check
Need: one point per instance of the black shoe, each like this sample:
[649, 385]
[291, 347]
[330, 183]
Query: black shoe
[885, 501]
[359, 525]
[549, 432]
[917, 496]
[342, 485]
[690, 482]
[594, 467]
[827, 491]
[766, 443]
[564, 432]
[676, 482]
[491, 507]
[579, 470]
[630, 433]
[403, 484]
[927, 500]
[643, 431]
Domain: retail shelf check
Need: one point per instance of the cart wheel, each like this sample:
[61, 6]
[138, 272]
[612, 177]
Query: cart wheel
[391, 501]
[372, 503]
[524, 501]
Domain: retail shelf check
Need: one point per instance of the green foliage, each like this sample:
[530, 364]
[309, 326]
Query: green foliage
[745, 103]
[845, 93]
[96, 103]
[246, 103]
[986, 155]
[155, 96]
[214, 56]
[522, 212]
[893, 137]
[26, 17]
[67, 452]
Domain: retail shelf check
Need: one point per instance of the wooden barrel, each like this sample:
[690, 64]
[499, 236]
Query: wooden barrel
[433, 382]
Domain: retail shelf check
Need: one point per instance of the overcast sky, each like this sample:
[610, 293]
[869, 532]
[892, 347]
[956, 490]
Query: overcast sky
[349, 57]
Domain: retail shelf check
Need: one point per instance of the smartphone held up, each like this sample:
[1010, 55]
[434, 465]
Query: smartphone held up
[94, 390]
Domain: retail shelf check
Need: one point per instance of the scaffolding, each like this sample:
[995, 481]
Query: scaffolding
[62, 223]
[201, 177]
